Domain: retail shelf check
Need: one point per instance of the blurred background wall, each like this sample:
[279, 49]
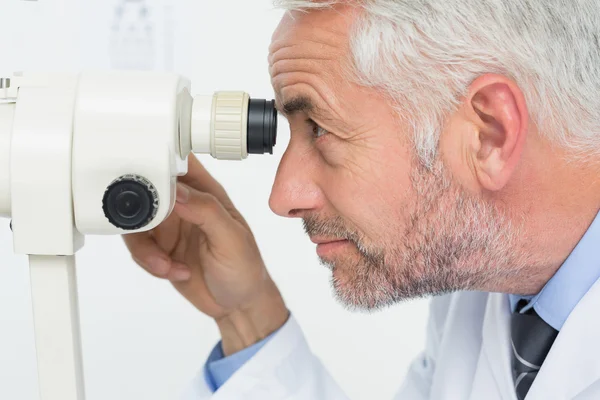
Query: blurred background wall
[141, 340]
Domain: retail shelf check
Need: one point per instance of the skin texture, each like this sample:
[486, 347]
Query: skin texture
[500, 210]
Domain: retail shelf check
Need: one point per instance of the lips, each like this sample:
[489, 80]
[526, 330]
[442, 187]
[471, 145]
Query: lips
[329, 246]
[322, 240]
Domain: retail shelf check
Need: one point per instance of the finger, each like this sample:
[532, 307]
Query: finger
[179, 272]
[200, 179]
[168, 234]
[205, 211]
[147, 254]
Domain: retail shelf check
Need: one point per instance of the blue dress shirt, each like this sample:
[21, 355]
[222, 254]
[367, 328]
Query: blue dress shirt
[570, 283]
[218, 369]
[553, 304]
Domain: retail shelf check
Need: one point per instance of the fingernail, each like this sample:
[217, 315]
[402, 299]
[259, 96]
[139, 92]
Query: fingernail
[183, 193]
[159, 266]
[180, 275]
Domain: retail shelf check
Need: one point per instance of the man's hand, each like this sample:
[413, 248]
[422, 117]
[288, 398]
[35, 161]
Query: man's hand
[206, 249]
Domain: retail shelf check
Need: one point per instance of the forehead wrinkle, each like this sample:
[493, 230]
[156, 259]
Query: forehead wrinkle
[292, 51]
[321, 108]
[316, 79]
[301, 65]
[309, 61]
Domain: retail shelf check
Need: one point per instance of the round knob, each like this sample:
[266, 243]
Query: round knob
[130, 202]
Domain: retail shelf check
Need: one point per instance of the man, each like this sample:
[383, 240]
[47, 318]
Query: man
[438, 147]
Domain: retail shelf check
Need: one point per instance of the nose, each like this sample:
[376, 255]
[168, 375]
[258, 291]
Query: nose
[295, 191]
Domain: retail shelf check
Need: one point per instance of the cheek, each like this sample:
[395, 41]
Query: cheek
[371, 189]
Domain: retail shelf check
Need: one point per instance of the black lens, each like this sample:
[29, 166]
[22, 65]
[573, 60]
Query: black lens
[262, 126]
[129, 204]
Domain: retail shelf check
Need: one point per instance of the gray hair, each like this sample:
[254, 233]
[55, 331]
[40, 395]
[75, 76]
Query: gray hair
[424, 54]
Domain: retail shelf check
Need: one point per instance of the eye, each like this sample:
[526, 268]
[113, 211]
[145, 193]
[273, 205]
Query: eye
[316, 129]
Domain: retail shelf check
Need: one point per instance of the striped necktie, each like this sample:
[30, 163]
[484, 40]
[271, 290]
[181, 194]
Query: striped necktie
[532, 339]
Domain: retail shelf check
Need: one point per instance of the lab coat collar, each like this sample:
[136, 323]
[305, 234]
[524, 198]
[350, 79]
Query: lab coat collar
[573, 363]
[496, 343]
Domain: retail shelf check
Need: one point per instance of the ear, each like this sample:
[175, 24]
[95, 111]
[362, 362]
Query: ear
[497, 108]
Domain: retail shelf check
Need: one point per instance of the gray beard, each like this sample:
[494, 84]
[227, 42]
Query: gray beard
[452, 241]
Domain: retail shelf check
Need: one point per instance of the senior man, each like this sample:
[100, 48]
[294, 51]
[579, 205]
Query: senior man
[438, 147]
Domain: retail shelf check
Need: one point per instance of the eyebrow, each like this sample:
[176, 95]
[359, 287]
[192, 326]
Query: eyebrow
[304, 104]
[296, 105]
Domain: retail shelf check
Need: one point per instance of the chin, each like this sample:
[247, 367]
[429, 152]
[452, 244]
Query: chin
[359, 289]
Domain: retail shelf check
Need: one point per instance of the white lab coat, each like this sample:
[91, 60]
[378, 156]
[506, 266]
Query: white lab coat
[467, 356]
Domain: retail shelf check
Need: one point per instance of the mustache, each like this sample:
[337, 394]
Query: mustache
[332, 227]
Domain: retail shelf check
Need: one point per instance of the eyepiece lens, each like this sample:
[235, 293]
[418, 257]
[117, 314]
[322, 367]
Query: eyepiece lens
[262, 126]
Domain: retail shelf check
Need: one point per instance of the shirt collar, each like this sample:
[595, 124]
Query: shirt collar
[570, 283]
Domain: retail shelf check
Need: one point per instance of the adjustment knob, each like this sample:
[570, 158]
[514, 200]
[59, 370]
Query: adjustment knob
[130, 202]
